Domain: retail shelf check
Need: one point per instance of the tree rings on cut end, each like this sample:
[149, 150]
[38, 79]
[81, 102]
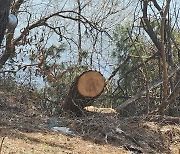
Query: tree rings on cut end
[91, 84]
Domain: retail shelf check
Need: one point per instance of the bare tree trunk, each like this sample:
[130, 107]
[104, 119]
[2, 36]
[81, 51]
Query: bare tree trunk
[4, 13]
[10, 46]
[160, 45]
[79, 33]
[164, 103]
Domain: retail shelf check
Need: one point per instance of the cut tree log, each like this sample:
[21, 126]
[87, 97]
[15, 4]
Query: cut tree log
[83, 91]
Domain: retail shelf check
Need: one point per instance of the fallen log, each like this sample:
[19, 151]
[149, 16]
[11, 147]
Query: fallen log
[137, 96]
[143, 92]
[83, 91]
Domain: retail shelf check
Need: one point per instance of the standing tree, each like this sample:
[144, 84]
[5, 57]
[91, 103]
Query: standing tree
[153, 35]
[163, 42]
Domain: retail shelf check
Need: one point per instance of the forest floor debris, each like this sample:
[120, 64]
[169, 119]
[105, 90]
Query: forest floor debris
[93, 133]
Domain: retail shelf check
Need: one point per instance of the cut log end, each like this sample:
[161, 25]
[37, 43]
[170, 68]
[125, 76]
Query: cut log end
[83, 91]
[91, 84]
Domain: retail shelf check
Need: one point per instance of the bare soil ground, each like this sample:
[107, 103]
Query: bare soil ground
[26, 130]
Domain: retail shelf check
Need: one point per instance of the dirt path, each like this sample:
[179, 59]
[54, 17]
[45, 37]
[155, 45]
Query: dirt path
[46, 143]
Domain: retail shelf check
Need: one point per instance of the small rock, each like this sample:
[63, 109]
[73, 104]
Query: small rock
[63, 130]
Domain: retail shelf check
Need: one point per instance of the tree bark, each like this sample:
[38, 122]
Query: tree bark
[83, 91]
[164, 103]
[4, 13]
[79, 33]
[161, 45]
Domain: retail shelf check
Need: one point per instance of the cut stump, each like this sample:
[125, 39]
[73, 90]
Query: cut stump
[83, 91]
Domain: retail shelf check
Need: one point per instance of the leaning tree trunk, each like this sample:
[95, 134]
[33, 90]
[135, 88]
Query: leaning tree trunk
[83, 91]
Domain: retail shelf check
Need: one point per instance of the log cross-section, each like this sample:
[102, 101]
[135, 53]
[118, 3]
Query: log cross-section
[83, 91]
[90, 84]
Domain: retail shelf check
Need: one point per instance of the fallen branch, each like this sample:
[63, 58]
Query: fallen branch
[143, 92]
[19, 68]
[1, 144]
[163, 119]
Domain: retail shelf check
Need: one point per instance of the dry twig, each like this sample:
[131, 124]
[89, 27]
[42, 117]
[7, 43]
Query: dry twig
[2, 144]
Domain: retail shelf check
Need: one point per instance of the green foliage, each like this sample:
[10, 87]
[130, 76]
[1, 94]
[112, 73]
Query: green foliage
[127, 57]
[122, 42]
[55, 51]
[58, 90]
[131, 78]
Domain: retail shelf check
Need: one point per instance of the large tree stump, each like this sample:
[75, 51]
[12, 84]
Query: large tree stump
[83, 91]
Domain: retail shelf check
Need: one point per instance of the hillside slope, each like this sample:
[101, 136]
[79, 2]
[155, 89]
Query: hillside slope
[25, 128]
